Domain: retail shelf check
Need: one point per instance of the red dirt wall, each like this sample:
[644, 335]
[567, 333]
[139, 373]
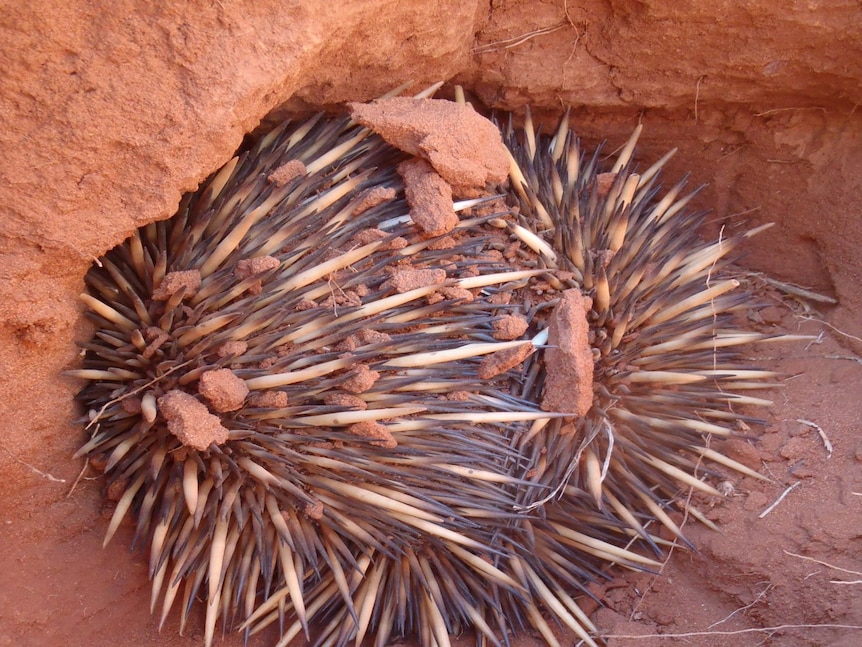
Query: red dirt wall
[112, 110]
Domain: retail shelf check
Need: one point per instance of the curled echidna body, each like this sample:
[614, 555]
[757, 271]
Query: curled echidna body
[289, 397]
[284, 389]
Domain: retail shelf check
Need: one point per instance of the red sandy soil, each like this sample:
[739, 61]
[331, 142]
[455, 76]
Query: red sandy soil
[112, 111]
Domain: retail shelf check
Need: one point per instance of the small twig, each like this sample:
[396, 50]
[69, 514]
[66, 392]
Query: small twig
[817, 340]
[577, 32]
[692, 634]
[44, 475]
[78, 478]
[823, 436]
[826, 564]
[779, 500]
[509, 43]
[98, 415]
[732, 151]
[330, 281]
[852, 358]
[712, 301]
[745, 212]
[572, 22]
[794, 290]
[777, 110]
[840, 332]
[747, 606]
[697, 96]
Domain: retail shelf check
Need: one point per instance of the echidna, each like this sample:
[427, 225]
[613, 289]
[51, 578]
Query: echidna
[288, 390]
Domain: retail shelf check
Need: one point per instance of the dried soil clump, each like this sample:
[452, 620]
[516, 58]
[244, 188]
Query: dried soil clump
[569, 357]
[463, 147]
